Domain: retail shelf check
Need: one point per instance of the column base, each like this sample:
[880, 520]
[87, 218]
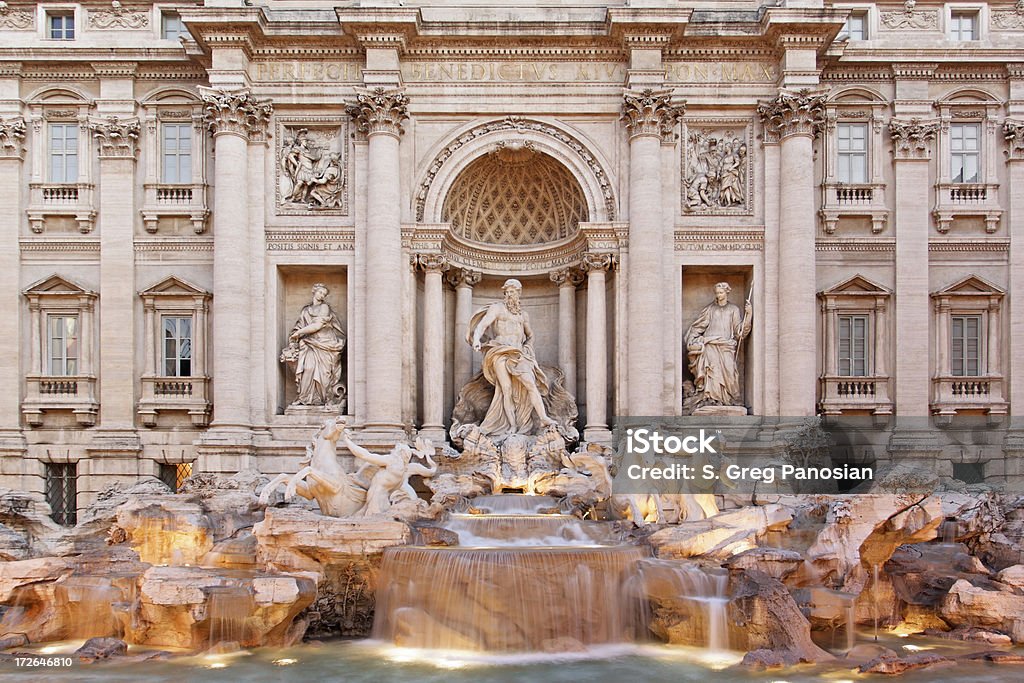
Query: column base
[436, 433]
[599, 435]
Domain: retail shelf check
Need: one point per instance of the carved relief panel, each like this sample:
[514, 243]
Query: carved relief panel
[717, 167]
[312, 166]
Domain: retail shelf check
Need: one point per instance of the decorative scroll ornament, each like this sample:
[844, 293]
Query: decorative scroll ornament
[593, 261]
[517, 124]
[801, 113]
[236, 112]
[14, 19]
[118, 16]
[911, 139]
[1009, 19]
[650, 112]
[909, 18]
[117, 138]
[1013, 131]
[463, 277]
[432, 263]
[379, 111]
[12, 134]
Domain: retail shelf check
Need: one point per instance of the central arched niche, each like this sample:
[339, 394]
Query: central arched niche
[515, 195]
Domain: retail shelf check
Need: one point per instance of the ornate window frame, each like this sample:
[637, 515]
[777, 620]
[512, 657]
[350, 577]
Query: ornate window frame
[857, 295]
[60, 105]
[160, 392]
[840, 199]
[44, 392]
[970, 295]
[174, 199]
[968, 199]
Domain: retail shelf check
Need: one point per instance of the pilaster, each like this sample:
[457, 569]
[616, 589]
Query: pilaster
[596, 266]
[463, 281]
[12, 443]
[567, 279]
[1014, 134]
[433, 267]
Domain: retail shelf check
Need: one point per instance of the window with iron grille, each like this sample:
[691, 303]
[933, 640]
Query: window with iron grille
[966, 346]
[62, 345]
[62, 492]
[175, 474]
[177, 346]
[853, 345]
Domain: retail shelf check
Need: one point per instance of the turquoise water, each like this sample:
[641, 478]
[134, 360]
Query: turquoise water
[367, 662]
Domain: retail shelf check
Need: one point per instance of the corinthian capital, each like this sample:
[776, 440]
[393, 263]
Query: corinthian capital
[566, 277]
[432, 263]
[12, 133]
[593, 261]
[380, 111]
[801, 113]
[236, 112]
[910, 139]
[650, 112]
[116, 137]
[1013, 131]
[462, 277]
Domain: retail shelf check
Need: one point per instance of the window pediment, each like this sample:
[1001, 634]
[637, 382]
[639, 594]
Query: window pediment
[858, 285]
[174, 286]
[55, 285]
[972, 285]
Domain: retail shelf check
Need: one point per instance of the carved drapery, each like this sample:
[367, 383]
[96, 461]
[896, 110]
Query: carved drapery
[236, 112]
[650, 112]
[12, 135]
[379, 111]
[1013, 131]
[910, 139]
[801, 113]
[516, 197]
[15, 19]
[117, 138]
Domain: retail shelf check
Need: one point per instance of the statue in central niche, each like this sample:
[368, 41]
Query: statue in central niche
[502, 332]
[712, 343]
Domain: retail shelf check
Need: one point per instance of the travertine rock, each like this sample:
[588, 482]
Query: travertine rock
[968, 605]
[893, 666]
[722, 536]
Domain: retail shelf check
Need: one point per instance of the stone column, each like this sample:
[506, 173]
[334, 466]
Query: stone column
[649, 115]
[379, 113]
[462, 280]
[796, 119]
[1014, 133]
[232, 116]
[12, 443]
[567, 280]
[911, 147]
[433, 266]
[595, 266]
[881, 361]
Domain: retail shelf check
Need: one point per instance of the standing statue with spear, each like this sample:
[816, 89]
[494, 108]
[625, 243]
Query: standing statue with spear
[712, 343]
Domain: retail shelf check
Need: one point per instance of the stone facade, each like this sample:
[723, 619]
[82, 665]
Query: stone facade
[618, 159]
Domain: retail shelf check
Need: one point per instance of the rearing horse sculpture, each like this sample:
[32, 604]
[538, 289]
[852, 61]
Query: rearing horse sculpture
[322, 478]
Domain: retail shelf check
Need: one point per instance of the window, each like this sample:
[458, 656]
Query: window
[171, 27]
[963, 26]
[60, 25]
[177, 153]
[969, 472]
[966, 345]
[965, 152]
[853, 345]
[63, 345]
[62, 492]
[855, 27]
[177, 346]
[175, 474]
[852, 141]
[64, 152]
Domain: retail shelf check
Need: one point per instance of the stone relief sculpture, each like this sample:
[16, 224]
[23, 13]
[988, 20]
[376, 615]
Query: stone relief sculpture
[15, 19]
[1009, 19]
[314, 353]
[716, 172]
[312, 176]
[118, 16]
[712, 342]
[909, 18]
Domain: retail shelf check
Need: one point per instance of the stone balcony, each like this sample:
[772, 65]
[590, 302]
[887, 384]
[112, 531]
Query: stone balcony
[967, 199]
[61, 199]
[175, 200]
[841, 394]
[854, 199]
[162, 394]
[76, 393]
[953, 394]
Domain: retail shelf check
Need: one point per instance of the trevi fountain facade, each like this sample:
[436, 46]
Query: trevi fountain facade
[331, 328]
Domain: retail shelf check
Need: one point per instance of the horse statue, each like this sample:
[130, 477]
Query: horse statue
[322, 477]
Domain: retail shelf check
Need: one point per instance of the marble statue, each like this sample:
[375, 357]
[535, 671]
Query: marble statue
[390, 483]
[712, 342]
[502, 332]
[322, 477]
[314, 351]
